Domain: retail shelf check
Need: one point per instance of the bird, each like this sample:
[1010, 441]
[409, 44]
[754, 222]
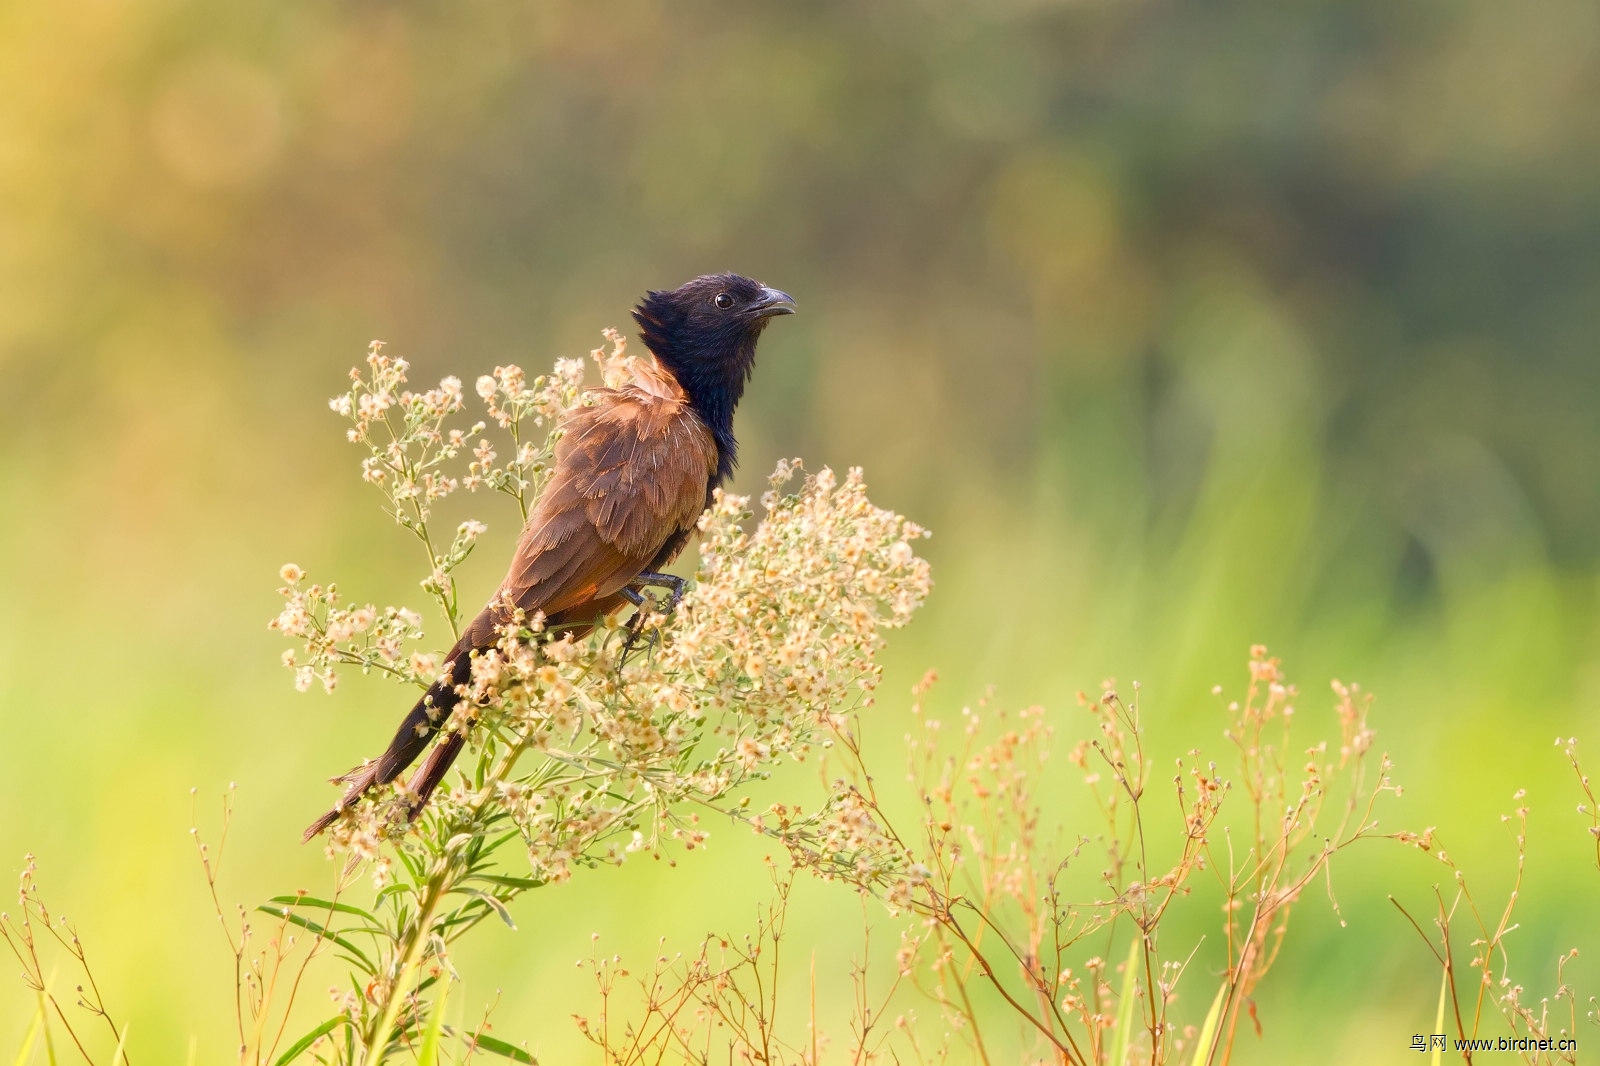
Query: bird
[633, 470]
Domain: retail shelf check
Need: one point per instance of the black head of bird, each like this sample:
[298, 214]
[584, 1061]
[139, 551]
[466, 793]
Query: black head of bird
[705, 333]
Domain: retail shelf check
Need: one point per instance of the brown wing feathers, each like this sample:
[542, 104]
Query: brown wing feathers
[631, 476]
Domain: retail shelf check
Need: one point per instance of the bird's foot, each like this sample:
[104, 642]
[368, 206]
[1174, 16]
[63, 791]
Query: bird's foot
[667, 581]
[633, 593]
[636, 625]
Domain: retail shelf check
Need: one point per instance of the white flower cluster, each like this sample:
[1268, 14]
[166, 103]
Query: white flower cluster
[785, 621]
[404, 431]
[331, 634]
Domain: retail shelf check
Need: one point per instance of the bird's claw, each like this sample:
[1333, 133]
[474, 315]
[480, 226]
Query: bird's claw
[676, 587]
[636, 629]
[650, 578]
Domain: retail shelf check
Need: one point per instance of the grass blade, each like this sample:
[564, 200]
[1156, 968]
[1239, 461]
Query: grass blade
[1208, 1031]
[492, 903]
[29, 1040]
[44, 1020]
[510, 882]
[1130, 984]
[428, 1055]
[321, 905]
[310, 1038]
[327, 934]
[494, 1045]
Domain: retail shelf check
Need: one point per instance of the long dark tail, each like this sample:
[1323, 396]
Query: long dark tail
[434, 708]
[414, 734]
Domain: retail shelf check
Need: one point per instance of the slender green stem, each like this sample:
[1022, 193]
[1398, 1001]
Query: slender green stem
[378, 1038]
[516, 441]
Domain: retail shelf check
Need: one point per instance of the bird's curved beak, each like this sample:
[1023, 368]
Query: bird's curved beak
[774, 302]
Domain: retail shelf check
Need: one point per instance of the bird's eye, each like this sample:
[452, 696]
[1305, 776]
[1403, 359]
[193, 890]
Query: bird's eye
[723, 300]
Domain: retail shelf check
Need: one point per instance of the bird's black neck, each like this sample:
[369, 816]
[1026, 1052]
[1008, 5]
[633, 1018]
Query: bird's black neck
[714, 387]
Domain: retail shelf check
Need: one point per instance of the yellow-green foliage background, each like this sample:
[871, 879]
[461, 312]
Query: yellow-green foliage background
[1184, 326]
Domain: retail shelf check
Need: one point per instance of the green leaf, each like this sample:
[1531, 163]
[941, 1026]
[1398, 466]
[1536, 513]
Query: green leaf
[428, 1055]
[413, 866]
[386, 891]
[322, 905]
[326, 934]
[310, 1038]
[491, 846]
[518, 883]
[1130, 985]
[491, 902]
[460, 920]
[493, 1045]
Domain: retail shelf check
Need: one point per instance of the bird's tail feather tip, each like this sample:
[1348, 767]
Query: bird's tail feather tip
[350, 775]
[316, 827]
[358, 780]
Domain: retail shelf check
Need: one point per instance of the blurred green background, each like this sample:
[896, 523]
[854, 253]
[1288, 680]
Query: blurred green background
[1184, 325]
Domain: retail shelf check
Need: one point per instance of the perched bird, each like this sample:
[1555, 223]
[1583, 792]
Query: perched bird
[632, 474]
